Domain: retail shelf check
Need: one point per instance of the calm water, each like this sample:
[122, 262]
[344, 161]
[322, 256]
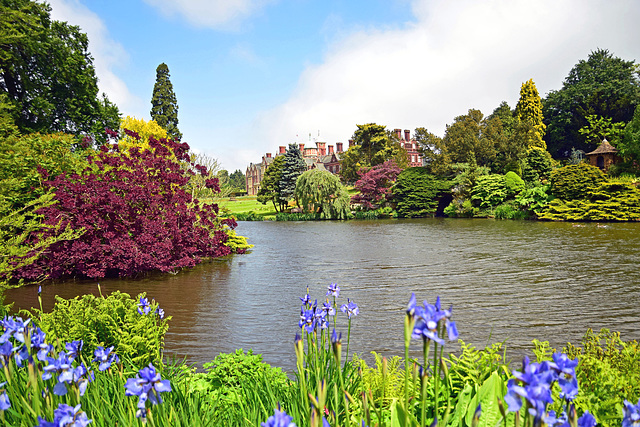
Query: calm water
[507, 280]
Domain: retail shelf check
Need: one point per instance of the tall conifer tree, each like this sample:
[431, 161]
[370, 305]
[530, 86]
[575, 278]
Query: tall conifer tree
[529, 113]
[164, 106]
[294, 166]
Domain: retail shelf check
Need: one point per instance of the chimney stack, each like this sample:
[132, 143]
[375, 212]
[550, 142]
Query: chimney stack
[398, 133]
[268, 155]
[350, 143]
[339, 147]
[331, 149]
[407, 135]
[302, 149]
[283, 149]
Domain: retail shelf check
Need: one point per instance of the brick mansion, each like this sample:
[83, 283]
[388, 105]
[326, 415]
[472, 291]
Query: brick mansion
[319, 155]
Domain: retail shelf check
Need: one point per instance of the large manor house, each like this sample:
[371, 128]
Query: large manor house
[319, 155]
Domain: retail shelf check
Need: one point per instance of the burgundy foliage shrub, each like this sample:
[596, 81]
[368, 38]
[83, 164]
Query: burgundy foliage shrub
[136, 215]
[375, 184]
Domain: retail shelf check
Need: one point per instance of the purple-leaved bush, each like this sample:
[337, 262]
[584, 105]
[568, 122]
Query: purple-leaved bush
[136, 212]
[375, 184]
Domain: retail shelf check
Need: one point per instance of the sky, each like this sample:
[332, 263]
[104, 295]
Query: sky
[252, 75]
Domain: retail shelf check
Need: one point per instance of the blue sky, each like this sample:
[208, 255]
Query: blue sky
[251, 75]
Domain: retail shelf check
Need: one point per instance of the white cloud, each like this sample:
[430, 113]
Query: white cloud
[226, 14]
[106, 52]
[452, 57]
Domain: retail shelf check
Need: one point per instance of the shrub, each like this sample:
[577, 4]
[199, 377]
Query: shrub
[249, 216]
[461, 209]
[111, 321]
[575, 181]
[514, 183]
[375, 184]
[136, 215]
[537, 165]
[490, 190]
[508, 211]
[533, 200]
[416, 192]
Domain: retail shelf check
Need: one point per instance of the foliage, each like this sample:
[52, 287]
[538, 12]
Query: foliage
[164, 105]
[467, 139]
[536, 165]
[416, 192]
[385, 381]
[608, 371]
[611, 201]
[320, 191]
[142, 131]
[237, 181]
[229, 370]
[529, 111]
[16, 228]
[48, 74]
[575, 181]
[112, 321]
[269, 186]
[514, 183]
[373, 145]
[237, 244]
[249, 216]
[461, 208]
[510, 210]
[629, 144]
[209, 169]
[136, 215]
[430, 147]
[22, 158]
[294, 165]
[600, 128]
[375, 184]
[533, 199]
[490, 190]
[296, 216]
[604, 86]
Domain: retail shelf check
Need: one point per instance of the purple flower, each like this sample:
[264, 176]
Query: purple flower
[143, 306]
[587, 420]
[38, 342]
[631, 414]
[105, 358]
[333, 289]
[160, 312]
[279, 419]
[307, 319]
[147, 385]
[562, 364]
[4, 399]
[351, 308]
[306, 300]
[66, 415]
[426, 326]
[73, 349]
[328, 308]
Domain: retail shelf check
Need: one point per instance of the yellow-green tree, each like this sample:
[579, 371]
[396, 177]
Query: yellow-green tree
[529, 114]
[143, 128]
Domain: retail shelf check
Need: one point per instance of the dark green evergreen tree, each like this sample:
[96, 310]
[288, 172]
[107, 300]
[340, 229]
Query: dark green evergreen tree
[269, 188]
[164, 106]
[47, 74]
[237, 180]
[294, 166]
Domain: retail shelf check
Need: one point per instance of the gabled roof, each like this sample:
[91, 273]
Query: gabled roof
[604, 148]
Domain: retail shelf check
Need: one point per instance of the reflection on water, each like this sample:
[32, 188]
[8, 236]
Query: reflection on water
[507, 280]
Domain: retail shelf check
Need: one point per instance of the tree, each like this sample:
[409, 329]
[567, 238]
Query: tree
[164, 106]
[320, 191]
[629, 145]
[270, 187]
[416, 192]
[294, 165]
[529, 111]
[374, 185]
[142, 131]
[237, 181]
[47, 73]
[373, 145]
[465, 140]
[136, 215]
[430, 146]
[604, 86]
[599, 128]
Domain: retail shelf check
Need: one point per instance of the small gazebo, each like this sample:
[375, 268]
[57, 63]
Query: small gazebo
[604, 156]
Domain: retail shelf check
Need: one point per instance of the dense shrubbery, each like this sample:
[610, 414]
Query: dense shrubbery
[135, 213]
[320, 191]
[374, 185]
[575, 181]
[416, 192]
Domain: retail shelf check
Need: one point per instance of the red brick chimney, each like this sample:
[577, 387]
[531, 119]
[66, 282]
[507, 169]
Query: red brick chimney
[331, 149]
[339, 147]
[302, 149]
[398, 133]
[322, 150]
[407, 135]
[350, 143]
[268, 155]
[283, 149]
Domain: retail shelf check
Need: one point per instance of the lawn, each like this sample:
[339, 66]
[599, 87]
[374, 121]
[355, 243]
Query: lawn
[245, 204]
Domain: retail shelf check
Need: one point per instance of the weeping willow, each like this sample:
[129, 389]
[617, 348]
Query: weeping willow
[320, 192]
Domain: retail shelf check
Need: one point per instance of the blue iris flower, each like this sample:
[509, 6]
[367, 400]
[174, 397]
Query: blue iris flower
[4, 399]
[333, 290]
[66, 415]
[279, 419]
[307, 319]
[147, 385]
[351, 308]
[328, 308]
[143, 306]
[631, 414]
[73, 348]
[587, 420]
[105, 358]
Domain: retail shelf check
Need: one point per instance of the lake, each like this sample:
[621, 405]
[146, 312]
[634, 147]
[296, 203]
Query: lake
[511, 281]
